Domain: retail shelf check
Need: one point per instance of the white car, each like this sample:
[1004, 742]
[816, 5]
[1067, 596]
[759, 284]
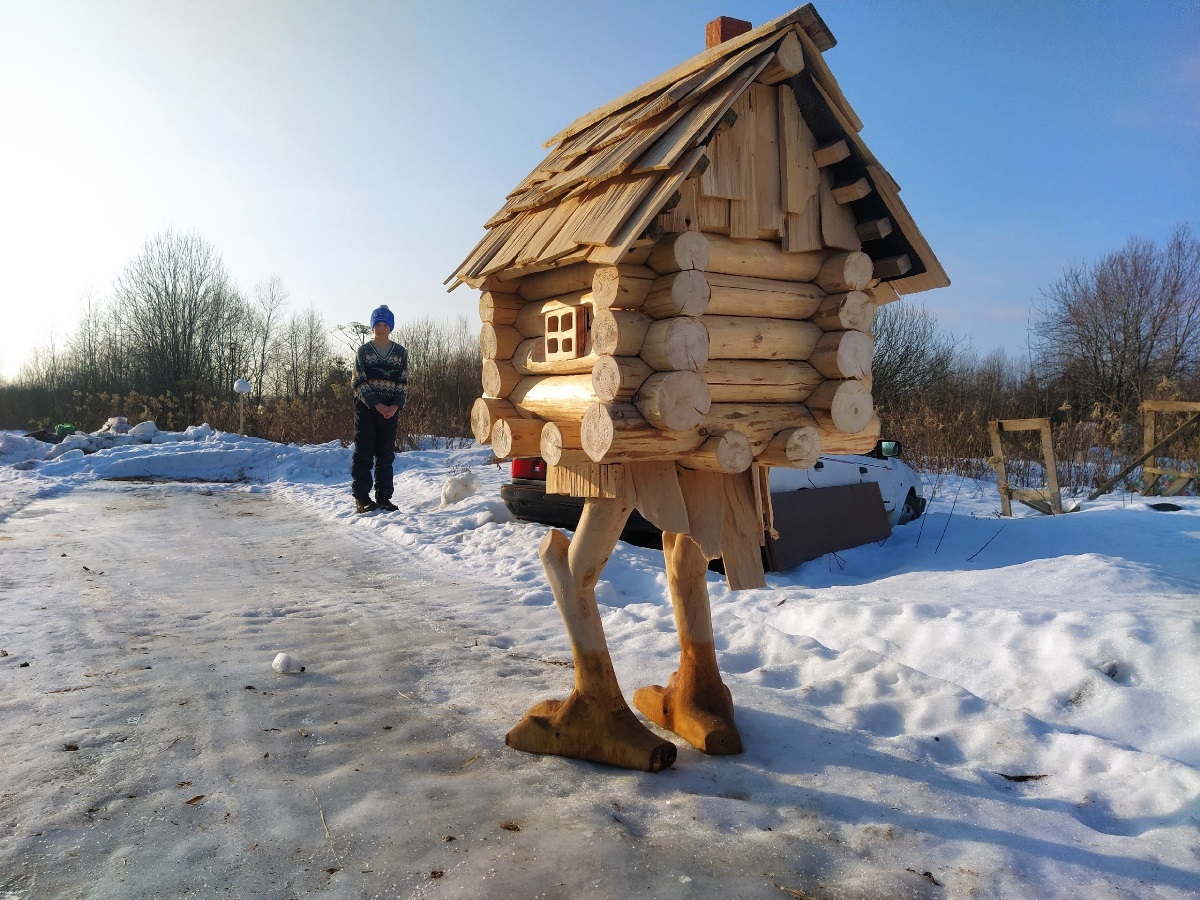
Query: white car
[899, 484]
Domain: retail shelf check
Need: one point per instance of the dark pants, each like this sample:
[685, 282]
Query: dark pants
[374, 442]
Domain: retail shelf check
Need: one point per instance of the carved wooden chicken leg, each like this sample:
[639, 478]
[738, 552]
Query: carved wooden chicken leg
[594, 722]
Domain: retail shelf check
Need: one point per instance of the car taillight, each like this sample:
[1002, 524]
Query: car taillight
[530, 467]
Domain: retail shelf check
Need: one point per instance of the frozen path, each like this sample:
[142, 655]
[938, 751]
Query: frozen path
[149, 615]
[140, 621]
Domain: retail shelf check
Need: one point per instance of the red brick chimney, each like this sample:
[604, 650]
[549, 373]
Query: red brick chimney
[722, 29]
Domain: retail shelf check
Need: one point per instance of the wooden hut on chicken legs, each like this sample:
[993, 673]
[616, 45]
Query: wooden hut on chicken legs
[677, 298]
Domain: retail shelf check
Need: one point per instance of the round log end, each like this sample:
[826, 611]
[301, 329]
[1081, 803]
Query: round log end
[679, 250]
[676, 344]
[674, 401]
[481, 421]
[502, 439]
[596, 431]
[851, 271]
[734, 453]
[802, 446]
[729, 453]
[551, 444]
[847, 405]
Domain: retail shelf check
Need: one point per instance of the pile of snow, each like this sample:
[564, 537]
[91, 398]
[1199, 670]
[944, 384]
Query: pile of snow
[114, 435]
[20, 451]
[459, 486]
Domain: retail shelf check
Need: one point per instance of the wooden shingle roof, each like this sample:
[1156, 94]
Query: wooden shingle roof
[611, 172]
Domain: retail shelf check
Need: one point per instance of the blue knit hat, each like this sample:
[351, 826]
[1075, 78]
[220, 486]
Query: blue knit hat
[383, 314]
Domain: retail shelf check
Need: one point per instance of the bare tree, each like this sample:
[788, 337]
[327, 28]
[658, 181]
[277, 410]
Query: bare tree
[178, 311]
[270, 298]
[44, 369]
[302, 355]
[352, 336]
[1116, 331]
[914, 355]
[444, 376]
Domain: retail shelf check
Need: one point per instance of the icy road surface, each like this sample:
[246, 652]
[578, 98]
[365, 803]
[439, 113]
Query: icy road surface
[149, 750]
[200, 772]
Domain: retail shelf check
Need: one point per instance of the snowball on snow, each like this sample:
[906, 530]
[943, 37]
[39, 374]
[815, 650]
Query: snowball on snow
[285, 664]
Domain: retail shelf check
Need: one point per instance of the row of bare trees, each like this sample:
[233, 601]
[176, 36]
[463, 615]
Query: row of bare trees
[1106, 336]
[176, 333]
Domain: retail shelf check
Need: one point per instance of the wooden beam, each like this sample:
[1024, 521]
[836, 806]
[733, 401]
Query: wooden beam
[892, 266]
[738, 295]
[815, 28]
[874, 230]
[830, 154]
[1107, 486]
[1171, 405]
[851, 191]
[788, 60]
[934, 275]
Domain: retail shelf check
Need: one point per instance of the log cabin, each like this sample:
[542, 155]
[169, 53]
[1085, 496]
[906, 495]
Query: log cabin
[679, 297]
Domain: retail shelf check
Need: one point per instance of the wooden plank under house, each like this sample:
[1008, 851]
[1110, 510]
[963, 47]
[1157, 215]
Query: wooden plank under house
[677, 298]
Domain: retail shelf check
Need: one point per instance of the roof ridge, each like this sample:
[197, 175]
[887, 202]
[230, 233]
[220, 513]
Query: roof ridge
[805, 15]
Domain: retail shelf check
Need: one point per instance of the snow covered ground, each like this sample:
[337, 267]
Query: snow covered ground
[977, 707]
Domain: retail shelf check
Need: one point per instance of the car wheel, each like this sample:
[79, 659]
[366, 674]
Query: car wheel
[912, 509]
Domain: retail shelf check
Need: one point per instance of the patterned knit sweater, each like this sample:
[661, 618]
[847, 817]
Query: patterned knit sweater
[380, 376]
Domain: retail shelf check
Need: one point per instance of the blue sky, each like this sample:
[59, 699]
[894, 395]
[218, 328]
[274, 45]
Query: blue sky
[355, 149]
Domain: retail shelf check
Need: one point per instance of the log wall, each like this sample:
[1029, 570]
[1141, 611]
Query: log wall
[718, 352]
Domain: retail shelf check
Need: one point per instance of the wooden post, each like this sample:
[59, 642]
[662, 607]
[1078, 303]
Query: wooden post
[1051, 468]
[998, 464]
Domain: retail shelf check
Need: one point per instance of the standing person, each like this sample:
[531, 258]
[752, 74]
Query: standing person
[380, 379]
